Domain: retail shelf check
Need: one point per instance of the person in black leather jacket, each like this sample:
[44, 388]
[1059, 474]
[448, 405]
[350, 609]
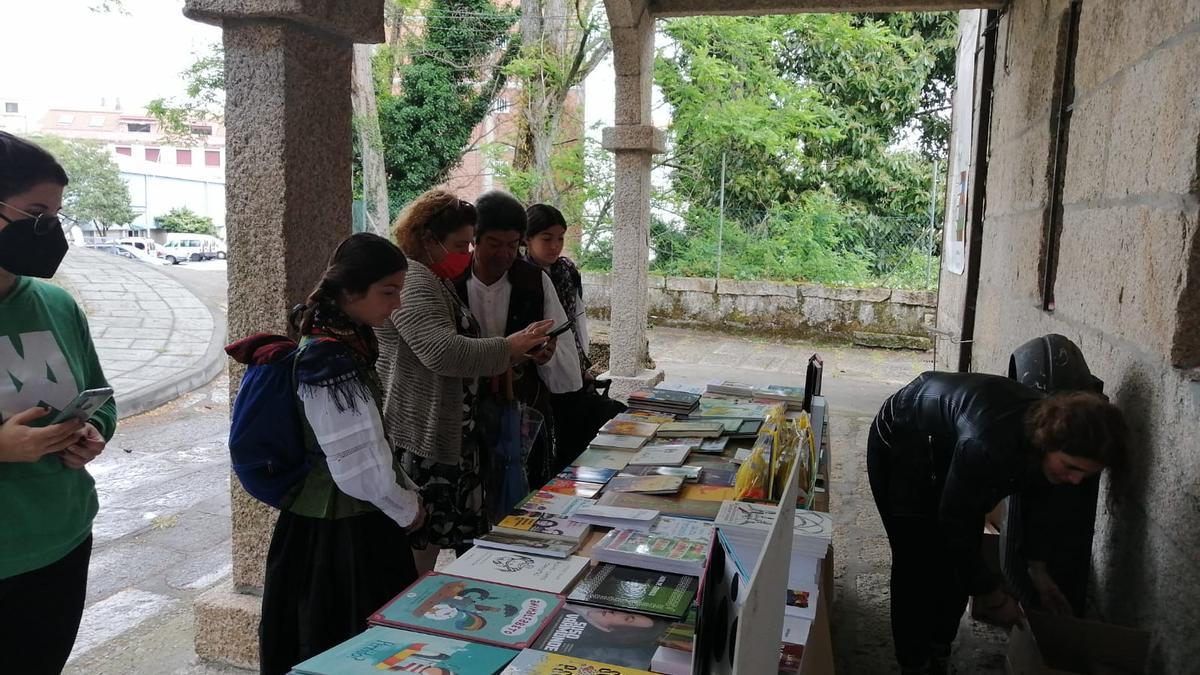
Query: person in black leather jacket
[941, 453]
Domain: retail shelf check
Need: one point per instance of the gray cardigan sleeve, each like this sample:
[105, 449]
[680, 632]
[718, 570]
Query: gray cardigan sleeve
[426, 325]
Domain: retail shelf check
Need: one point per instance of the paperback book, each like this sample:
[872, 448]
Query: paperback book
[707, 493]
[642, 416]
[551, 575]
[470, 609]
[587, 474]
[714, 446]
[543, 501]
[554, 548]
[691, 443]
[661, 456]
[628, 428]
[691, 429]
[689, 473]
[669, 505]
[544, 526]
[617, 442]
[534, 662]
[605, 635]
[380, 648]
[573, 488]
[636, 589]
[651, 485]
[652, 551]
[603, 459]
[609, 516]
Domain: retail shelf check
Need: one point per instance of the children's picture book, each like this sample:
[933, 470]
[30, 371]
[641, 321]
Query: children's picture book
[691, 429]
[603, 634]
[627, 428]
[680, 398]
[637, 590]
[543, 501]
[587, 474]
[689, 473]
[552, 575]
[604, 459]
[380, 648]
[543, 525]
[617, 442]
[653, 485]
[669, 505]
[572, 488]
[643, 416]
[553, 548]
[651, 551]
[534, 662]
[480, 611]
[662, 455]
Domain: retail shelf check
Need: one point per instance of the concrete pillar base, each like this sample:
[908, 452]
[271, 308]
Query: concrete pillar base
[227, 627]
[622, 387]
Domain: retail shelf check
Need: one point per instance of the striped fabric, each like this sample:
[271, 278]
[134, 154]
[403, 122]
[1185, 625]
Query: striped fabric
[423, 360]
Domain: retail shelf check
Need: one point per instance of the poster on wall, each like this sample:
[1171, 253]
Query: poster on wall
[954, 257]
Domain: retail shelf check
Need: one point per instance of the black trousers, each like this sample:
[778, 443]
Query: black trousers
[578, 417]
[324, 580]
[40, 612]
[927, 598]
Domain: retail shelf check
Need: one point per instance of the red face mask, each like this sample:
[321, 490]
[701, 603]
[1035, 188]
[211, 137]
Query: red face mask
[452, 266]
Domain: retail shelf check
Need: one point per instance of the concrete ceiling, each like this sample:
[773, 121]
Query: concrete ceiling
[667, 8]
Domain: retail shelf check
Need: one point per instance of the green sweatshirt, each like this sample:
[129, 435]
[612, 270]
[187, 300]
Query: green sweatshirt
[46, 357]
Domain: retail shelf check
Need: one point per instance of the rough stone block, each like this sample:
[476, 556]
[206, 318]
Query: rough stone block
[1087, 154]
[631, 138]
[1115, 35]
[845, 294]
[253, 523]
[757, 288]
[633, 47]
[227, 626]
[914, 298]
[656, 281]
[632, 97]
[890, 341]
[694, 284]
[595, 278]
[355, 21]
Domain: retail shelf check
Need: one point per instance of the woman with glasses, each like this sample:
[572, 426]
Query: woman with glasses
[431, 357]
[47, 497]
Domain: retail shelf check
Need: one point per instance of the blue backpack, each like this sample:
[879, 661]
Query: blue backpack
[267, 446]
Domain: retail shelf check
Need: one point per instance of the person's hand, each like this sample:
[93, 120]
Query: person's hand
[524, 341]
[87, 447]
[997, 608]
[419, 519]
[546, 352]
[20, 442]
[1051, 597]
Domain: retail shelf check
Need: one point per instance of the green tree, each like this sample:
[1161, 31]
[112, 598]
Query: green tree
[96, 193]
[449, 77]
[204, 83]
[183, 220]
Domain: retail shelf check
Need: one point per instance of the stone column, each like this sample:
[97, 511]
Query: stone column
[288, 198]
[632, 141]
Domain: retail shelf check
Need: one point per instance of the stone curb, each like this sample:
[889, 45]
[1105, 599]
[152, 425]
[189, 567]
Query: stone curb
[214, 362]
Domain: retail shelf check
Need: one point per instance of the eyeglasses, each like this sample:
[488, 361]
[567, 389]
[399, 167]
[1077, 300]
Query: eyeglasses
[43, 223]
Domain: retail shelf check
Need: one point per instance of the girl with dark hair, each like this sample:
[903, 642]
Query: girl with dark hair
[941, 453]
[47, 497]
[340, 549]
[432, 358]
[588, 410]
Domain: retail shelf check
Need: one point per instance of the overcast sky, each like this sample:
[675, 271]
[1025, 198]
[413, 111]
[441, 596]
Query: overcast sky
[57, 53]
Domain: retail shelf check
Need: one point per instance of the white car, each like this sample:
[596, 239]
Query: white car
[181, 248]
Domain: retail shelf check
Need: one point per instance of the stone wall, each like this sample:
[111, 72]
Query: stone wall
[874, 316]
[1128, 274]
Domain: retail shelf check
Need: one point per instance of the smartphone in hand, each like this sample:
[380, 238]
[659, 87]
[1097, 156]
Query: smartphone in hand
[84, 405]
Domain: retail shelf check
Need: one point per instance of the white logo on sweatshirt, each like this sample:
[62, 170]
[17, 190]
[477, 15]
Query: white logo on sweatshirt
[37, 373]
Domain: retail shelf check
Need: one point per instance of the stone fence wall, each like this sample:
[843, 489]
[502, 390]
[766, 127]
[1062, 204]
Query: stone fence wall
[880, 317]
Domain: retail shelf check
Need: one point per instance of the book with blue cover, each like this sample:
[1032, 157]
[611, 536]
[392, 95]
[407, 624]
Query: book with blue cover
[380, 648]
[480, 611]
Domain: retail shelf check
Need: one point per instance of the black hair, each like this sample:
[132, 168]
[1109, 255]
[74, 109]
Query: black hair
[499, 212]
[542, 217]
[360, 260]
[24, 165]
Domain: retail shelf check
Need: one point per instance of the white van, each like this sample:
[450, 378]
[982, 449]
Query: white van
[218, 249]
[147, 246]
[182, 247]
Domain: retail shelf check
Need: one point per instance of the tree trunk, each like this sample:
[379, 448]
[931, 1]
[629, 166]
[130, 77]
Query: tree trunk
[370, 142]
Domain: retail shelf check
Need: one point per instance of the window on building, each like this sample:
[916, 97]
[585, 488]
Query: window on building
[125, 150]
[139, 127]
[212, 158]
[202, 130]
[66, 119]
[1063, 107]
[151, 154]
[183, 157]
[96, 121]
[11, 107]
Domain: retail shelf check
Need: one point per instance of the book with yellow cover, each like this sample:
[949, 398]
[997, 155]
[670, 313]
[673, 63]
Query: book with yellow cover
[534, 662]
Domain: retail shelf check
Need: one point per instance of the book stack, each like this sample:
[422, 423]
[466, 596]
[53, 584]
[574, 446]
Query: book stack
[792, 396]
[744, 526]
[664, 401]
[675, 647]
[675, 545]
[517, 569]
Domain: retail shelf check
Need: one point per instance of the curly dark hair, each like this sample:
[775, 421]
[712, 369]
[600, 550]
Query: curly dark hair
[1081, 424]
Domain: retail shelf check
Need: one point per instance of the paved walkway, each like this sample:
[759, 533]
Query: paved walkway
[156, 340]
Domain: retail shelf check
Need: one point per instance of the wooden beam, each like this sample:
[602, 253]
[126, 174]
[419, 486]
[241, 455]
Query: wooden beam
[669, 8]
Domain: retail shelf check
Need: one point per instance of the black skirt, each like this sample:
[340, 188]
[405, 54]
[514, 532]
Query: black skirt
[324, 579]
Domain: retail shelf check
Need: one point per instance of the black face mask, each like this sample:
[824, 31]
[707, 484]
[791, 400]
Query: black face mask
[27, 253]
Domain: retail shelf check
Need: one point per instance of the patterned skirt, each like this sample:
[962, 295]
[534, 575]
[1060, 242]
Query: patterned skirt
[453, 499]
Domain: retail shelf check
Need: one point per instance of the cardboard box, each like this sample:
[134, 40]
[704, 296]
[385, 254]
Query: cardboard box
[1059, 645]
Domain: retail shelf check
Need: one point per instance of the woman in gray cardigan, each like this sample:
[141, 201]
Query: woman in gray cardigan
[431, 357]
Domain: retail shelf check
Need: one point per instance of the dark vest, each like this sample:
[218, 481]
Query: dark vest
[526, 304]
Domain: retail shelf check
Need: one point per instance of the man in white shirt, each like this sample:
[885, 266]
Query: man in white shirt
[503, 291]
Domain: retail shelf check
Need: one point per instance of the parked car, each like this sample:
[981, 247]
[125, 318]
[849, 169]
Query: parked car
[147, 246]
[183, 247]
[122, 251]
